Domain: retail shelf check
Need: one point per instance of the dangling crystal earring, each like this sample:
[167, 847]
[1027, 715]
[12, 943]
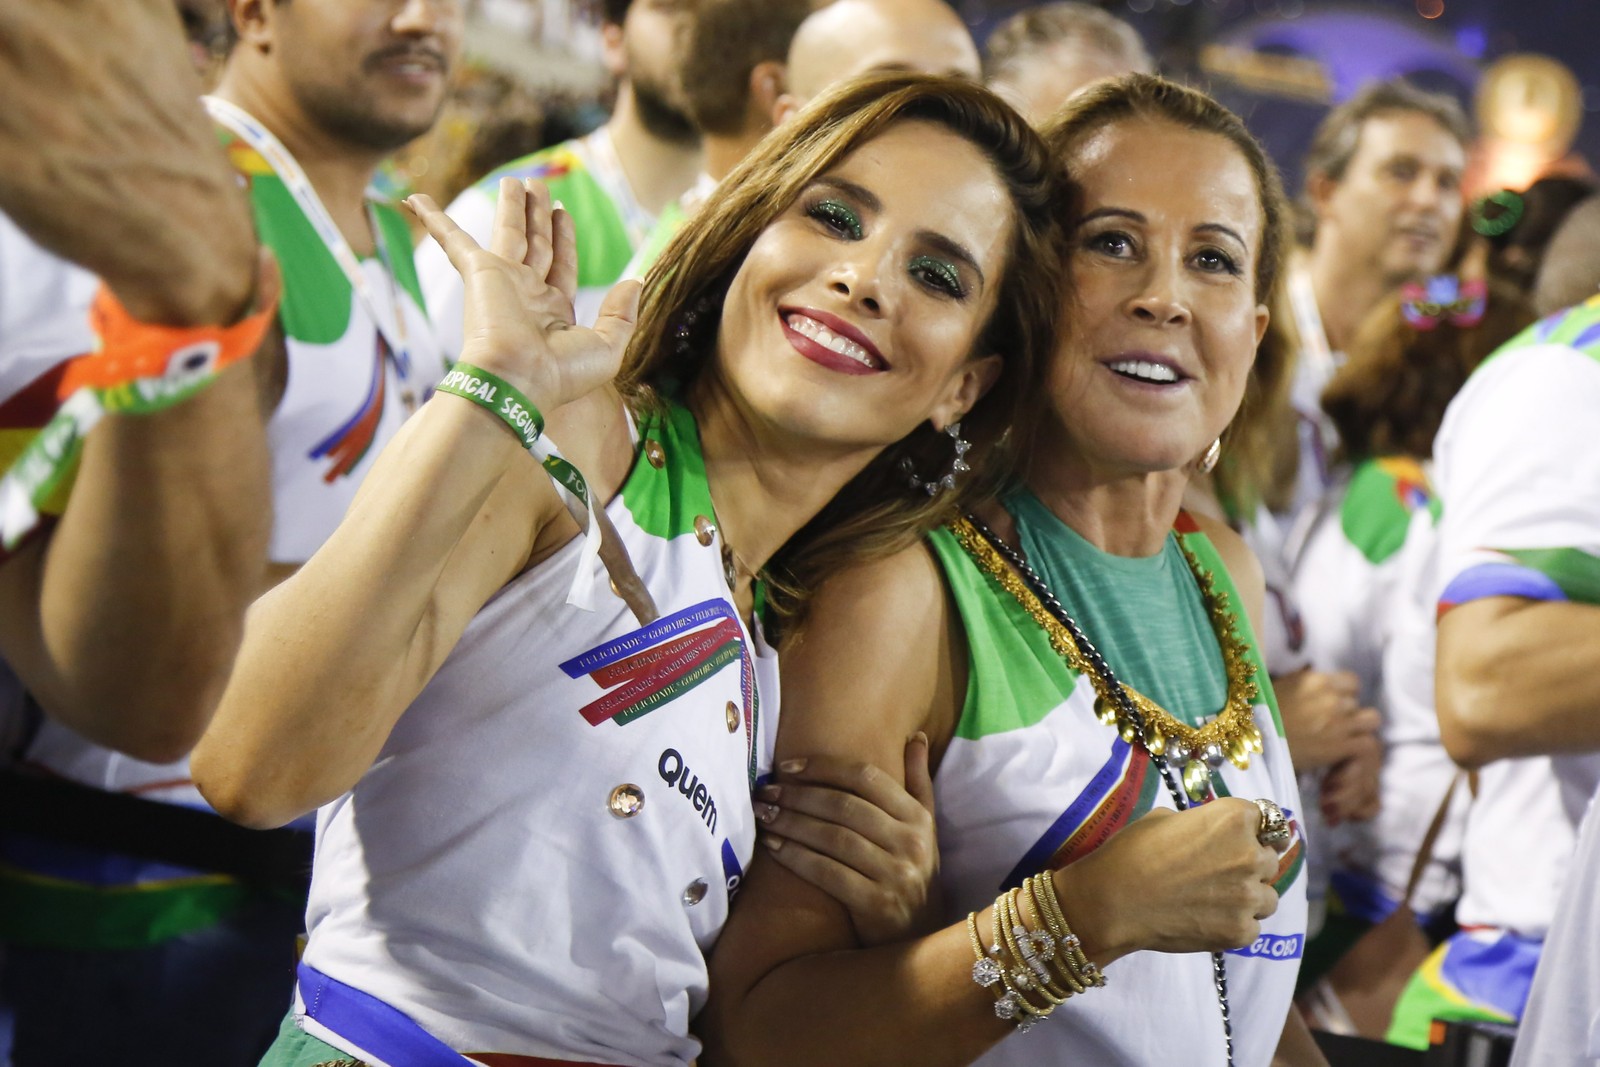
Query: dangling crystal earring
[683, 332]
[958, 465]
[1208, 461]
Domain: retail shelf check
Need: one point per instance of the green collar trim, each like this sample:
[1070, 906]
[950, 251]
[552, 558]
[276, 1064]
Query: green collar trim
[665, 500]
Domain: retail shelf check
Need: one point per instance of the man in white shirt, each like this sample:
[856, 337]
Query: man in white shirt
[1383, 185]
[614, 182]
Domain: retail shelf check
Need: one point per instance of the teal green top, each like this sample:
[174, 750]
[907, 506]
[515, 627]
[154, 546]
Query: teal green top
[1145, 614]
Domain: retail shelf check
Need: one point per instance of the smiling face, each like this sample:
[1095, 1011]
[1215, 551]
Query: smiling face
[1397, 206]
[1162, 318]
[855, 314]
[371, 72]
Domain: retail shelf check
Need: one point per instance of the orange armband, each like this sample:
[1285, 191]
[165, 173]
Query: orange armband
[137, 369]
[141, 368]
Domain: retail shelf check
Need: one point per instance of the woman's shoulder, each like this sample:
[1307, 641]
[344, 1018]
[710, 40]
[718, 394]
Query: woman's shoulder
[876, 638]
[887, 594]
[1224, 539]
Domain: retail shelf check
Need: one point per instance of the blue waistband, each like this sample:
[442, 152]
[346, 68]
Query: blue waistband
[376, 1028]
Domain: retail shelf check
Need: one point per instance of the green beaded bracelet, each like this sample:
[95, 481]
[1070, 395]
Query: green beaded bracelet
[497, 395]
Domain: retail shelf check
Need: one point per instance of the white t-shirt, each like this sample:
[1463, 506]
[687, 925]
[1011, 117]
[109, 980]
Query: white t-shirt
[1520, 478]
[1357, 578]
[1561, 1026]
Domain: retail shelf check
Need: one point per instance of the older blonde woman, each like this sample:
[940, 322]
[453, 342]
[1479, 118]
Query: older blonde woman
[1079, 654]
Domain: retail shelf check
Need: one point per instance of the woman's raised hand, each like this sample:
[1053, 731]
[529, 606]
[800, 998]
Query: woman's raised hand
[855, 833]
[518, 320]
[1190, 881]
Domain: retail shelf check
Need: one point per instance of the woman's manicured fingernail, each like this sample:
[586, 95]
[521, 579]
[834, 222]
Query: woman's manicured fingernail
[792, 766]
[769, 792]
[766, 812]
[772, 841]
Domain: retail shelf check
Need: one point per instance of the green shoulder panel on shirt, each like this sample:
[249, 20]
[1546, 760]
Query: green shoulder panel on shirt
[316, 303]
[668, 223]
[604, 247]
[1211, 563]
[664, 501]
[1378, 504]
[1577, 327]
[317, 300]
[397, 236]
[1014, 677]
[1574, 570]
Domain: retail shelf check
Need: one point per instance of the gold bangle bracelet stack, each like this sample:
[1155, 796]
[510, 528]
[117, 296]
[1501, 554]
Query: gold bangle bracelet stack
[1031, 970]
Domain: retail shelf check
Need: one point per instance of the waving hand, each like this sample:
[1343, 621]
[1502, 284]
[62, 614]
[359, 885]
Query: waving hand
[519, 293]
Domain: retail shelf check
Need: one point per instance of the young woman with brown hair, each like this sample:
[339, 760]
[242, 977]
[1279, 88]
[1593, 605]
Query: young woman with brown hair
[534, 817]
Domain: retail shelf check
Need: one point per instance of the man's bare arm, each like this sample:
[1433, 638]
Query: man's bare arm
[1518, 677]
[125, 620]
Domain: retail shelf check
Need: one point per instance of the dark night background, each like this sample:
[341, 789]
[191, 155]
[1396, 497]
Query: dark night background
[1464, 34]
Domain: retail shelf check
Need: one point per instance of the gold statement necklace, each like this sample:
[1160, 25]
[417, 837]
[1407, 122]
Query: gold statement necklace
[1231, 735]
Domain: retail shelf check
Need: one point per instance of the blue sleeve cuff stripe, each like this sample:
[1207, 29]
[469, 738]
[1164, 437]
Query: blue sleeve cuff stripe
[1499, 579]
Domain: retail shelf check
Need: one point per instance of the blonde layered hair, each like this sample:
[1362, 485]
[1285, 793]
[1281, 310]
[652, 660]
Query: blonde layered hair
[1134, 97]
[877, 513]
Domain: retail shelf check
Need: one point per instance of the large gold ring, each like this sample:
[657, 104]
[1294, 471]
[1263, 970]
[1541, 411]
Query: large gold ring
[1274, 828]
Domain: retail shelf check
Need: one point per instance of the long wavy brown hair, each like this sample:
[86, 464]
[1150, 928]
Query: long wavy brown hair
[878, 512]
[1389, 396]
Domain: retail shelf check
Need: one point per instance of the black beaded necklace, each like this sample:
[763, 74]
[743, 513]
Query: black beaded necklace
[1130, 713]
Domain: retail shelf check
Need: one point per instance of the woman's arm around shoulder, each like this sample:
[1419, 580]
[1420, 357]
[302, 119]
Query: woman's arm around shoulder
[790, 984]
[880, 657]
[872, 666]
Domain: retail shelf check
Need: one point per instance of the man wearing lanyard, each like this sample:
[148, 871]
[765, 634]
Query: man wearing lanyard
[128, 946]
[1383, 185]
[614, 181]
